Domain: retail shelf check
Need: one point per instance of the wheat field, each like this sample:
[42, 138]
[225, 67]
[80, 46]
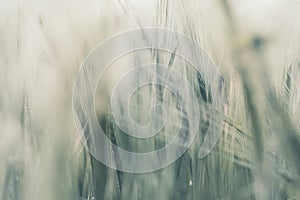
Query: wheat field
[255, 47]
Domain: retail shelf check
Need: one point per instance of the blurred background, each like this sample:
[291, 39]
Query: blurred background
[255, 45]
